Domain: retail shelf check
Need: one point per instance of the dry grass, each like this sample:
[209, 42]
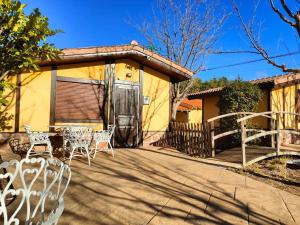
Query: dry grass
[275, 172]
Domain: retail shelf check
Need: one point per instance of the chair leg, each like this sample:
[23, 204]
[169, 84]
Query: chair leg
[88, 154]
[71, 155]
[49, 146]
[96, 149]
[112, 150]
[28, 152]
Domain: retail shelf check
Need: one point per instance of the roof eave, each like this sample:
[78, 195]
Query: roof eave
[137, 55]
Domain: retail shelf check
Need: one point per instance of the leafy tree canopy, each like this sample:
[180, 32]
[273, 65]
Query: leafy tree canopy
[23, 38]
[22, 45]
[199, 85]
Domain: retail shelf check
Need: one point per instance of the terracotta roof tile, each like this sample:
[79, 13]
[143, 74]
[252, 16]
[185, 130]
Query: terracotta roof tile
[278, 79]
[212, 90]
[190, 104]
[78, 52]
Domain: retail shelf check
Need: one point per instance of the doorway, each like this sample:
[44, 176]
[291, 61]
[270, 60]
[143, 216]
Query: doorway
[126, 113]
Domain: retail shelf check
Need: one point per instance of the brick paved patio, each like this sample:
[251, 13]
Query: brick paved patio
[154, 186]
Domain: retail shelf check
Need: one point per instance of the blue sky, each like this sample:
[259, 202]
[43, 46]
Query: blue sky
[104, 22]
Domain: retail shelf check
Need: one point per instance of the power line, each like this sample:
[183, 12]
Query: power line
[251, 61]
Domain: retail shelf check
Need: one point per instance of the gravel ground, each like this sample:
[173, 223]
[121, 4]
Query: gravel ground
[275, 172]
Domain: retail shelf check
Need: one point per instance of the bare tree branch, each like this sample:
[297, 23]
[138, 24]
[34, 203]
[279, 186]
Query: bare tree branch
[185, 32]
[257, 46]
[286, 8]
[294, 20]
[280, 14]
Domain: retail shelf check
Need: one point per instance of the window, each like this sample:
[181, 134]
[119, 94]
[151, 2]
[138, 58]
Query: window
[78, 101]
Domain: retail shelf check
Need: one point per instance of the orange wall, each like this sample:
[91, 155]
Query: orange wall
[262, 122]
[182, 117]
[210, 107]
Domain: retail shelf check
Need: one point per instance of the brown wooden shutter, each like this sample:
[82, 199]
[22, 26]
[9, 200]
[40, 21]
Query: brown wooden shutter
[78, 102]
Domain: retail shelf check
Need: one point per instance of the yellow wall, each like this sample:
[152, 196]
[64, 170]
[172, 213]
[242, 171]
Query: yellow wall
[289, 106]
[35, 99]
[262, 122]
[192, 116]
[127, 70]
[10, 109]
[277, 102]
[93, 71]
[36, 92]
[195, 116]
[211, 107]
[157, 87]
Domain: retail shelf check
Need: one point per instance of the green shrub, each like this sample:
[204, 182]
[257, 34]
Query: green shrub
[237, 96]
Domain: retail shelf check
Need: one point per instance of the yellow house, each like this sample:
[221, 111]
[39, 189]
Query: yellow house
[189, 111]
[127, 86]
[280, 93]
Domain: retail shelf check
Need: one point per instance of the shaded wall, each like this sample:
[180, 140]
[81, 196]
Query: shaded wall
[182, 117]
[210, 107]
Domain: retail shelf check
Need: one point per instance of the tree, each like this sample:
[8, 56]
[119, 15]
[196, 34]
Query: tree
[185, 32]
[237, 96]
[22, 44]
[286, 15]
[199, 85]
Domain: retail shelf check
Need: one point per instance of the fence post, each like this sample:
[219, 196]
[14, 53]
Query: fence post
[212, 134]
[272, 136]
[278, 133]
[243, 137]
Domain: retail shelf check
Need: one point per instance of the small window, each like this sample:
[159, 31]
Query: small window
[78, 102]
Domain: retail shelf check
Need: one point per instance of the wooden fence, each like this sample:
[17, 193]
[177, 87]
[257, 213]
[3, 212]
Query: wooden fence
[191, 138]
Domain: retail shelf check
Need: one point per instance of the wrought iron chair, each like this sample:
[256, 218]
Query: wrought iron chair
[104, 137]
[40, 192]
[18, 148]
[38, 138]
[79, 139]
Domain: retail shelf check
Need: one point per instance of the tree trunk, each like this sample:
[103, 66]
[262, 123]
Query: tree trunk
[175, 105]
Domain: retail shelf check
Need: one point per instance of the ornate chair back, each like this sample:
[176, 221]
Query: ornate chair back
[38, 138]
[104, 135]
[40, 185]
[80, 137]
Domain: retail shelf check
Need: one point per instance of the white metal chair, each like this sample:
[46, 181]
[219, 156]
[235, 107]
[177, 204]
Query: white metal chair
[39, 190]
[79, 139]
[38, 138]
[104, 137]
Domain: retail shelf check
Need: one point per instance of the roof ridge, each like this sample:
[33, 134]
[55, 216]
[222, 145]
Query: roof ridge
[128, 45]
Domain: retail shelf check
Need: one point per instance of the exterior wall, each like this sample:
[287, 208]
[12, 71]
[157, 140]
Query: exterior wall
[35, 99]
[10, 108]
[182, 117]
[156, 115]
[127, 70]
[283, 99]
[36, 94]
[262, 122]
[289, 106]
[92, 70]
[277, 102]
[192, 116]
[195, 116]
[211, 107]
